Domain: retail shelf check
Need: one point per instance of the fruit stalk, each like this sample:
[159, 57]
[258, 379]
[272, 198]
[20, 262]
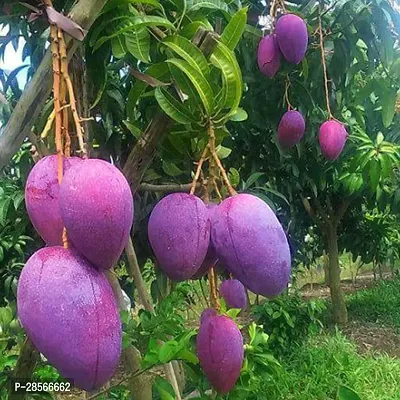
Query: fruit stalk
[198, 170]
[57, 106]
[287, 85]
[321, 44]
[70, 88]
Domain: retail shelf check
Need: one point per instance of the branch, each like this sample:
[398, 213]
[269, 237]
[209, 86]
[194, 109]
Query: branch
[342, 210]
[321, 211]
[167, 188]
[38, 90]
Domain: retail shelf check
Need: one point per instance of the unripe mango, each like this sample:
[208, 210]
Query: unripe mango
[69, 312]
[332, 138]
[179, 233]
[97, 210]
[42, 198]
[251, 243]
[291, 129]
[220, 350]
[292, 37]
[269, 56]
[234, 293]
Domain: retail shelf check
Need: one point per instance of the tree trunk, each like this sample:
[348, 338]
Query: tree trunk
[338, 303]
[326, 268]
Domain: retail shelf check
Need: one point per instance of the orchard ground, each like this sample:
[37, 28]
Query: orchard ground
[364, 355]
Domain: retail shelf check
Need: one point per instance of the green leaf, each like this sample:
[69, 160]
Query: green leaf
[117, 47]
[234, 176]
[136, 23]
[388, 103]
[171, 169]
[173, 107]
[138, 43]
[189, 52]
[240, 115]
[164, 389]
[4, 207]
[111, 4]
[235, 28]
[193, 5]
[168, 351]
[225, 60]
[345, 393]
[253, 178]
[379, 138]
[198, 80]
[223, 152]
[374, 173]
[136, 132]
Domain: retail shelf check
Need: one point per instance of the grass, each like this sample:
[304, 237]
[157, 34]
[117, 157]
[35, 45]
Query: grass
[316, 370]
[378, 304]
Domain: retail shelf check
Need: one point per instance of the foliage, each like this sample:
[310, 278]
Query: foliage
[322, 366]
[288, 319]
[378, 304]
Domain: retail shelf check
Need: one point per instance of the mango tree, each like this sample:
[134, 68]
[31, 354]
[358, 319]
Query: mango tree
[350, 74]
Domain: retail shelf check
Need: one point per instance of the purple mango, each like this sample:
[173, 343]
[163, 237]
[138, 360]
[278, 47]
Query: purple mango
[220, 350]
[42, 198]
[69, 312]
[291, 129]
[292, 37]
[211, 258]
[97, 211]
[268, 56]
[251, 243]
[179, 233]
[332, 138]
[234, 293]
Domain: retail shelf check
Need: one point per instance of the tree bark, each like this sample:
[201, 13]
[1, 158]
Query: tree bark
[38, 90]
[338, 303]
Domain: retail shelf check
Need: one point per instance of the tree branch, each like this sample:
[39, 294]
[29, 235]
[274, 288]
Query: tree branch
[167, 188]
[38, 90]
[342, 210]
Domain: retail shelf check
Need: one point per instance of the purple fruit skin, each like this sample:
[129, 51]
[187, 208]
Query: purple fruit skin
[251, 243]
[42, 198]
[234, 294]
[97, 211]
[207, 313]
[269, 56]
[211, 258]
[332, 138]
[179, 233]
[220, 351]
[291, 129]
[69, 311]
[292, 37]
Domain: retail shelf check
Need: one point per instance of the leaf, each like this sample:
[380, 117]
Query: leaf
[240, 115]
[193, 5]
[235, 28]
[374, 173]
[151, 81]
[388, 103]
[198, 80]
[138, 43]
[164, 389]
[224, 59]
[136, 132]
[345, 393]
[4, 206]
[171, 169]
[234, 176]
[189, 52]
[173, 107]
[223, 152]
[111, 4]
[253, 178]
[12, 76]
[65, 24]
[117, 46]
[168, 351]
[379, 138]
[135, 23]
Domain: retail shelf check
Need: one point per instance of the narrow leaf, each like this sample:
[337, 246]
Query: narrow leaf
[199, 82]
[173, 107]
[138, 43]
[189, 52]
[235, 28]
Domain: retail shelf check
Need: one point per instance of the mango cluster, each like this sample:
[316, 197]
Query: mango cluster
[65, 302]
